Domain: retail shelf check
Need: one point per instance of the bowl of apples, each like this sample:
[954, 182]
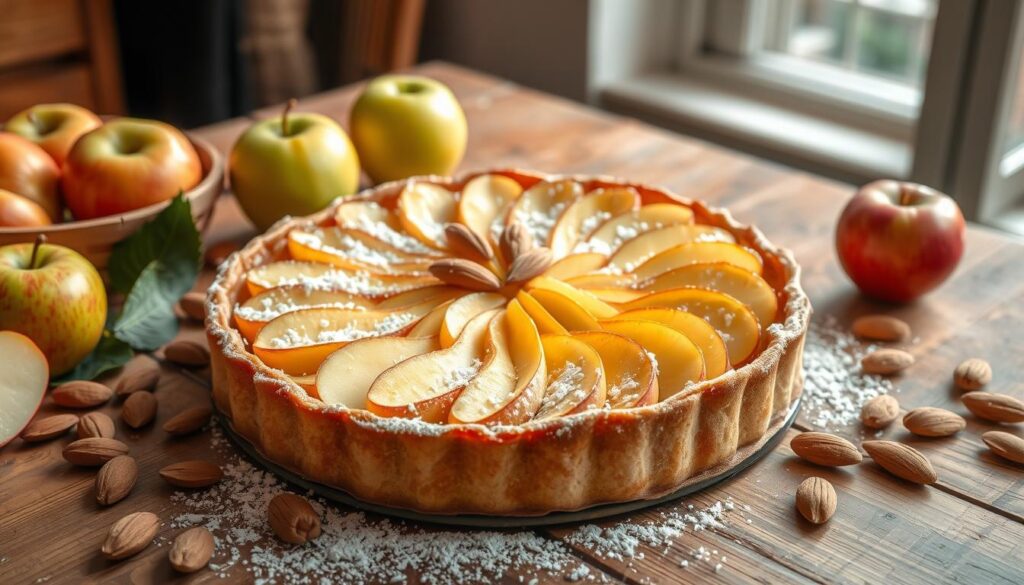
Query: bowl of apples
[87, 182]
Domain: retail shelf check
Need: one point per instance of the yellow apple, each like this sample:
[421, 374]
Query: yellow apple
[54, 127]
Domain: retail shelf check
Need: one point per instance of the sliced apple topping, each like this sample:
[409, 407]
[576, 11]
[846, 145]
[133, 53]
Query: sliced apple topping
[632, 253]
[346, 375]
[615, 296]
[352, 249]
[425, 386]
[546, 323]
[484, 202]
[379, 223]
[256, 311]
[612, 233]
[567, 312]
[699, 253]
[677, 361]
[585, 214]
[424, 209]
[711, 345]
[540, 206]
[430, 325]
[745, 286]
[628, 369]
[576, 380]
[575, 265]
[591, 304]
[317, 276]
[463, 310]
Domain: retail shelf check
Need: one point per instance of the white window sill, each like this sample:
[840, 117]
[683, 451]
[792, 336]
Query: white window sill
[709, 111]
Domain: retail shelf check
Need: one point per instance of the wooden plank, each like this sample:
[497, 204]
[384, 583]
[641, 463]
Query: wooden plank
[36, 30]
[45, 84]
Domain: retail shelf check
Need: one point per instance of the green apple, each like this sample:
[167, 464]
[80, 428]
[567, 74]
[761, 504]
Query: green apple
[405, 125]
[54, 127]
[292, 165]
[55, 297]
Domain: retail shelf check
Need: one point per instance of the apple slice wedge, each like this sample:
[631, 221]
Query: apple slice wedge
[463, 310]
[438, 294]
[484, 202]
[587, 213]
[603, 280]
[575, 265]
[591, 304]
[743, 285]
[380, 224]
[23, 385]
[545, 322]
[319, 276]
[346, 375]
[424, 209]
[615, 297]
[425, 386]
[430, 325]
[697, 330]
[576, 380]
[632, 253]
[259, 310]
[352, 249]
[540, 206]
[699, 252]
[567, 312]
[677, 360]
[628, 370]
[610, 235]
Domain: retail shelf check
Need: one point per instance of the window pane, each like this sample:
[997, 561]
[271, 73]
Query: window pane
[1014, 133]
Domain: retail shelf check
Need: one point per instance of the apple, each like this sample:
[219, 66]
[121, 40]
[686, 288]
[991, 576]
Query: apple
[898, 240]
[23, 385]
[55, 297]
[18, 211]
[128, 164]
[292, 165]
[405, 125]
[26, 169]
[54, 127]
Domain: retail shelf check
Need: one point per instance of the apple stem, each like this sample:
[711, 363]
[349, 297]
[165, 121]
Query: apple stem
[906, 196]
[284, 116]
[40, 240]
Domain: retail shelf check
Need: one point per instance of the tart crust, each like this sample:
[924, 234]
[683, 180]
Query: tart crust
[563, 464]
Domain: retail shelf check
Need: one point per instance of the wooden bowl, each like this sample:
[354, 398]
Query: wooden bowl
[95, 238]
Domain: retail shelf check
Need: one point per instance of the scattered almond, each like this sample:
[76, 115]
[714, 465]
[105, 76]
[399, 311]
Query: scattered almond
[219, 252]
[191, 550]
[81, 394]
[139, 409]
[902, 461]
[529, 264]
[880, 411]
[994, 407]
[972, 374]
[141, 375]
[515, 241]
[188, 421]
[47, 428]
[465, 274]
[192, 474]
[193, 304]
[187, 353]
[93, 451]
[130, 535]
[1005, 445]
[927, 421]
[466, 243]
[97, 425]
[816, 500]
[881, 328]
[825, 449]
[293, 519]
[886, 362]
[116, 479]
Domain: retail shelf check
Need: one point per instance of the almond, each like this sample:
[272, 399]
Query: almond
[881, 328]
[515, 241]
[1005, 445]
[93, 451]
[886, 362]
[901, 460]
[96, 424]
[825, 449]
[141, 375]
[188, 421]
[81, 394]
[130, 535]
[116, 479]
[529, 264]
[994, 407]
[192, 474]
[465, 274]
[139, 409]
[191, 550]
[293, 519]
[880, 411]
[219, 252]
[187, 353]
[972, 374]
[464, 242]
[816, 500]
[193, 305]
[927, 421]
[47, 428]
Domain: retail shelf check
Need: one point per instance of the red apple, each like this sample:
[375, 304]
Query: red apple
[18, 211]
[128, 164]
[54, 127]
[26, 169]
[897, 240]
[23, 384]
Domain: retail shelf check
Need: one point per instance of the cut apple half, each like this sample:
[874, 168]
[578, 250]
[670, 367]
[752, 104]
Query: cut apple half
[697, 330]
[677, 360]
[381, 224]
[463, 310]
[315, 275]
[424, 209]
[484, 202]
[699, 253]
[632, 253]
[348, 248]
[425, 385]
[569, 314]
[610, 235]
[23, 385]
[346, 375]
[628, 370]
[743, 285]
[575, 265]
[576, 380]
[546, 323]
[594, 306]
[733, 320]
[585, 214]
[257, 311]
[540, 206]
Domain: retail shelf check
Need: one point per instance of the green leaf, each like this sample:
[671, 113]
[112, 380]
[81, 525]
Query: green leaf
[110, 353]
[171, 238]
[147, 320]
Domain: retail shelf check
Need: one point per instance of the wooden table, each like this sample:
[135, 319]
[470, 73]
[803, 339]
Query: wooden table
[968, 528]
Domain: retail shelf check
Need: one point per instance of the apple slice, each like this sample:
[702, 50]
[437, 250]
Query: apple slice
[603, 280]
[733, 320]
[677, 360]
[540, 206]
[425, 386]
[594, 306]
[424, 209]
[314, 275]
[745, 286]
[430, 325]
[484, 202]
[697, 330]
[628, 370]
[585, 214]
[575, 265]
[257, 311]
[439, 294]
[566, 311]
[700, 252]
[546, 323]
[307, 383]
[348, 248]
[346, 375]
[615, 297]
[610, 235]
[23, 385]
[463, 310]
[380, 224]
[632, 253]
[576, 380]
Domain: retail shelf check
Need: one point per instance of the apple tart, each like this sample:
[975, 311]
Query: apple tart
[507, 343]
